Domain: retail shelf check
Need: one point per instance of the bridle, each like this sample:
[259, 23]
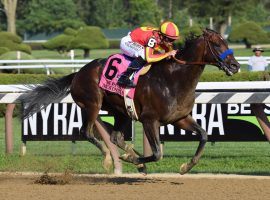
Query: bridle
[219, 58]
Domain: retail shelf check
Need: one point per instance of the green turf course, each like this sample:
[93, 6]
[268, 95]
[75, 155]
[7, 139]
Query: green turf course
[222, 157]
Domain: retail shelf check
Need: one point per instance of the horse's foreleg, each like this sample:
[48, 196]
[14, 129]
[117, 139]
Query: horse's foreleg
[189, 124]
[152, 134]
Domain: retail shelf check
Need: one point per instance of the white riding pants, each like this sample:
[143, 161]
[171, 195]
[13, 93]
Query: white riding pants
[130, 48]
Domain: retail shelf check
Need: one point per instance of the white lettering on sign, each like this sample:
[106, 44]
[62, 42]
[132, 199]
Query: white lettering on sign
[233, 109]
[215, 111]
[242, 109]
[72, 123]
[170, 129]
[200, 117]
[267, 109]
[60, 117]
[215, 120]
[245, 109]
[45, 115]
[33, 125]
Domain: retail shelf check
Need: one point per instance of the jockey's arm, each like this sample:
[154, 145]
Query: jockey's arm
[151, 56]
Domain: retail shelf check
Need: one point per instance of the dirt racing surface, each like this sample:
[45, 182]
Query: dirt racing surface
[26, 186]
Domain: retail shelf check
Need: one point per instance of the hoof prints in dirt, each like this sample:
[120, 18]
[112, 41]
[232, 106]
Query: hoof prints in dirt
[46, 179]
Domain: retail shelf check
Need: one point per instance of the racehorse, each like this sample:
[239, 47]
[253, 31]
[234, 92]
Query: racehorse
[164, 95]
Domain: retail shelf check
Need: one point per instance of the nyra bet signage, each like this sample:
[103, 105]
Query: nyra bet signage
[60, 121]
[223, 122]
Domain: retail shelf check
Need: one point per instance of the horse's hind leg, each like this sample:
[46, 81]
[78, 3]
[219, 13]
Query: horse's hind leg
[189, 124]
[104, 130]
[89, 131]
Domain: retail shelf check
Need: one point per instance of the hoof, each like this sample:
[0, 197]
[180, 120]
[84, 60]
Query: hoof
[124, 157]
[184, 168]
[142, 169]
[117, 171]
[129, 158]
[107, 163]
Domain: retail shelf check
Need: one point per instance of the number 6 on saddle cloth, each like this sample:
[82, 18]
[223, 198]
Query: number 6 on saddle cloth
[118, 68]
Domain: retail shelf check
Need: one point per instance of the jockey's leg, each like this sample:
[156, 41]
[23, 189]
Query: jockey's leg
[134, 66]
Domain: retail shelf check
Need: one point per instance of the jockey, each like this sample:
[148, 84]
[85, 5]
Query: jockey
[147, 45]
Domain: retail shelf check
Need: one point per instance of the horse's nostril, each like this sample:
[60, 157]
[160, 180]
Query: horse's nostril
[234, 66]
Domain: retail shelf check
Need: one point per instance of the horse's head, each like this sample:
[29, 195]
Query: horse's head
[218, 53]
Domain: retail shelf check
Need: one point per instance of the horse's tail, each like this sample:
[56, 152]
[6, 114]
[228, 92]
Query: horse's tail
[51, 91]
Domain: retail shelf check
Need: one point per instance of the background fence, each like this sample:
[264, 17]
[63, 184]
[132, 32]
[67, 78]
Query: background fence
[50, 64]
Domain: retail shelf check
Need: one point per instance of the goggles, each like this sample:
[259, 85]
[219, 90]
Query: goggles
[166, 39]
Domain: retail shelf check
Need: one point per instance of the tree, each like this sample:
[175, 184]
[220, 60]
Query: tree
[181, 19]
[87, 38]
[86, 10]
[10, 11]
[220, 10]
[49, 16]
[143, 12]
[109, 15]
[61, 42]
[250, 33]
[259, 14]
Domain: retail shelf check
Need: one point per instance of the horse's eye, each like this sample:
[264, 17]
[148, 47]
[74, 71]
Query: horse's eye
[216, 45]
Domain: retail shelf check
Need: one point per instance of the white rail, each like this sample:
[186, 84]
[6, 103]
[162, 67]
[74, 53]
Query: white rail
[42, 64]
[244, 59]
[50, 64]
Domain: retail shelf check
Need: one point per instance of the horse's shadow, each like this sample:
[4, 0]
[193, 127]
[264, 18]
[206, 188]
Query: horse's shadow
[122, 180]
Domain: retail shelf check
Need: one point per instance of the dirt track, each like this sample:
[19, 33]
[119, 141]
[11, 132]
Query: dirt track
[127, 187]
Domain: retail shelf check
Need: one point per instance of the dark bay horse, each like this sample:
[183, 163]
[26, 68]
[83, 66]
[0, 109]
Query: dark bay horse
[165, 95]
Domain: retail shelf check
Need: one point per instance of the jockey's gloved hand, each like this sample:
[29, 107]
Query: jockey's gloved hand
[172, 53]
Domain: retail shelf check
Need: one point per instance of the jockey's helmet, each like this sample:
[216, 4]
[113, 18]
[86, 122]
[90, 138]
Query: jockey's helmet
[169, 30]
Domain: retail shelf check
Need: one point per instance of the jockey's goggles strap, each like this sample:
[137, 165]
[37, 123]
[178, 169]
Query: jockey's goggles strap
[225, 54]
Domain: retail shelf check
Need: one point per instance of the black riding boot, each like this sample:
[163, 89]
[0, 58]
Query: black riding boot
[134, 66]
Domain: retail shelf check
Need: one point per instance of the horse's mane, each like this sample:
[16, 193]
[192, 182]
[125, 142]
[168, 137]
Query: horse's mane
[188, 41]
[191, 38]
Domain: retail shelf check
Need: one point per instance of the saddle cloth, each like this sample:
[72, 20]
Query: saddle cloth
[114, 67]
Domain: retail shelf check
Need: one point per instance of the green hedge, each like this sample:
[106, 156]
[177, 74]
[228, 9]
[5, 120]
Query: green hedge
[3, 50]
[6, 79]
[242, 76]
[10, 36]
[13, 42]
[206, 77]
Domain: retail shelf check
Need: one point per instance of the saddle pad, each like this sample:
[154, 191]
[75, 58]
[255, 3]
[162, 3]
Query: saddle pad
[114, 67]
